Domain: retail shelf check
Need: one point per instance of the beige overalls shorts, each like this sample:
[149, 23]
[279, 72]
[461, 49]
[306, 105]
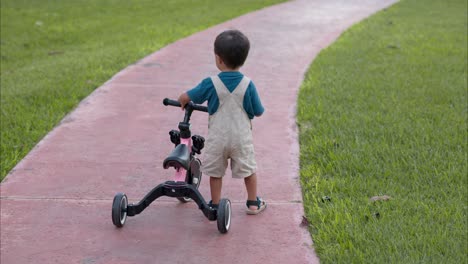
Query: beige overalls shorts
[229, 134]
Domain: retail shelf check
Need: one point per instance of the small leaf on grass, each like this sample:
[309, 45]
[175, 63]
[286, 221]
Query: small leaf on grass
[326, 199]
[305, 222]
[380, 198]
[55, 52]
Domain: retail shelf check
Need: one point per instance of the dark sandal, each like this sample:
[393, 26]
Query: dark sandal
[260, 203]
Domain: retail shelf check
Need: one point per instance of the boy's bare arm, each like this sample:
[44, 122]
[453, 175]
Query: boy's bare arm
[184, 99]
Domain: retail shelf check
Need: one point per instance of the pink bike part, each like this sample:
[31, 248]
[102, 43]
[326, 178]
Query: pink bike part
[181, 172]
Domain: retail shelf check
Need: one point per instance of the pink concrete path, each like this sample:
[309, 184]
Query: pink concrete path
[56, 203]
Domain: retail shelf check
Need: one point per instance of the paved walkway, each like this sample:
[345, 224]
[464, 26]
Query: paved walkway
[56, 203]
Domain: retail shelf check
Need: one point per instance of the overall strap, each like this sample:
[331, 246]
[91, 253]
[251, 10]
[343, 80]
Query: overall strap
[238, 96]
[221, 89]
[240, 90]
[242, 86]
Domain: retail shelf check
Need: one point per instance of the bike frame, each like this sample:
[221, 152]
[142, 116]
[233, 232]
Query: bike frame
[178, 187]
[181, 173]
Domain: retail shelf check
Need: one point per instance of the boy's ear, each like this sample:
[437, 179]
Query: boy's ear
[219, 60]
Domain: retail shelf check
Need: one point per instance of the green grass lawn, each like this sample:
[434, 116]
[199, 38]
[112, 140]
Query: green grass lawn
[383, 111]
[55, 53]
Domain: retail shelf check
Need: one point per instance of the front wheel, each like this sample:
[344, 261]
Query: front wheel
[224, 216]
[119, 209]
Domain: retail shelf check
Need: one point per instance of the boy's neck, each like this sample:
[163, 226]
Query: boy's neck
[224, 68]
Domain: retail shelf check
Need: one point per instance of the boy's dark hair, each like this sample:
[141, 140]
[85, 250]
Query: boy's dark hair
[232, 47]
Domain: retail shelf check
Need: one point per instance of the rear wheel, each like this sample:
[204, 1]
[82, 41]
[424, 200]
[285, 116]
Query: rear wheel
[224, 216]
[193, 177]
[119, 209]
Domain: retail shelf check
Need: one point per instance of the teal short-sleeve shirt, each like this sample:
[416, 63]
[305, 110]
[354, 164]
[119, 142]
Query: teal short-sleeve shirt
[205, 91]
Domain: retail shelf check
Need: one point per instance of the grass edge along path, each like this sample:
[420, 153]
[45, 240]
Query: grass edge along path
[382, 114]
[55, 53]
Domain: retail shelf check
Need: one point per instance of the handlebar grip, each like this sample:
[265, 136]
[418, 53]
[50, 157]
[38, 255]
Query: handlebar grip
[201, 108]
[168, 101]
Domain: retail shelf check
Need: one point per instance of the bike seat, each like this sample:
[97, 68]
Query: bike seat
[179, 157]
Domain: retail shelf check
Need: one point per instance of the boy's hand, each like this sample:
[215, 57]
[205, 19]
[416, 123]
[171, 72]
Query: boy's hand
[183, 100]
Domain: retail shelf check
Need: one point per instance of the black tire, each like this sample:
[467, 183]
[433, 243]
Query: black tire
[224, 216]
[194, 176]
[119, 209]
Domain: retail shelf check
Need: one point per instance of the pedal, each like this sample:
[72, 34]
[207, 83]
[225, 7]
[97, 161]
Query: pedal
[198, 143]
[175, 137]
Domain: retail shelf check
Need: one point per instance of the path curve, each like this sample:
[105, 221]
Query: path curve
[55, 204]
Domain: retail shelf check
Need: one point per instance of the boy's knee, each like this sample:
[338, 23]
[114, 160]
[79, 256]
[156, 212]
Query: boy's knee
[252, 176]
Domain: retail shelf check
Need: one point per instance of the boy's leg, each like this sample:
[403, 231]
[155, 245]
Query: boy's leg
[215, 186]
[251, 186]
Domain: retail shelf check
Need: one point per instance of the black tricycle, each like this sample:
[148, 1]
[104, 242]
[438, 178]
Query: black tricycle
[188, 174]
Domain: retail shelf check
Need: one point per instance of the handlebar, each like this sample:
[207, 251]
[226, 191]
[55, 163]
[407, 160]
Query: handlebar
[190, 106]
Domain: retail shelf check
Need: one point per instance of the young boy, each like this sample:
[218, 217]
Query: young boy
[232, 102]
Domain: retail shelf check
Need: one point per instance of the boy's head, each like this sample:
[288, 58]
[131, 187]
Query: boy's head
[232, 47]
